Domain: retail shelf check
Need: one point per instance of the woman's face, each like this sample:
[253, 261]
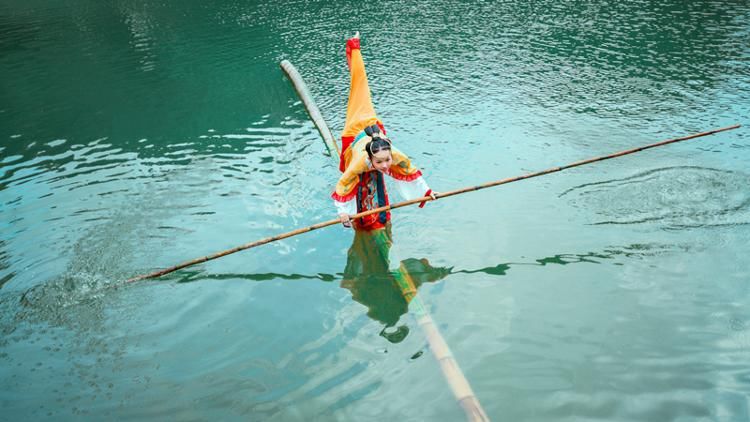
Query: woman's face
[382, 160]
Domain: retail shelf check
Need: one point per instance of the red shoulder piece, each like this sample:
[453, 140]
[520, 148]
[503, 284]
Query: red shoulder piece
[346, 141]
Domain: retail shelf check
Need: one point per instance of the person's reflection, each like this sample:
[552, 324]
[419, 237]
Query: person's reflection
[372, 283]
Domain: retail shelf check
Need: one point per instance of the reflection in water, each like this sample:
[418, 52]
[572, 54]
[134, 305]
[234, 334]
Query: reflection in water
[184, 121]
[392, 294]
[421, 271]
[382, 290]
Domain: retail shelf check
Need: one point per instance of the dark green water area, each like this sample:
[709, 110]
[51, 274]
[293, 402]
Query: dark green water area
[135, 135]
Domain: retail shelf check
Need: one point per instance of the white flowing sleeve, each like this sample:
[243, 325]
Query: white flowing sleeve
[349, 207]
[416, 188]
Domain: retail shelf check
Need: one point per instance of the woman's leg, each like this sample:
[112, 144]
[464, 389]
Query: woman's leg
[369, 253]
[359, 112]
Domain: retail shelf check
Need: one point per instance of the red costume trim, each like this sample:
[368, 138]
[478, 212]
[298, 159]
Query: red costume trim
[372, 223]
[408, 177]
[371, 187]
[346, 198]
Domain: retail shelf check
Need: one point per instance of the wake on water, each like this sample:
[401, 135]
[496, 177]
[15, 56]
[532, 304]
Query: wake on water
[673, 198]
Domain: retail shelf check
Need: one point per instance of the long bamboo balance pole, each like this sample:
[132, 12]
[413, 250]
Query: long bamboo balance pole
[312, 109]
[423, 199]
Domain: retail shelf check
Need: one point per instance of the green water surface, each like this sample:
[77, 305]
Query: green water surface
[135, 135]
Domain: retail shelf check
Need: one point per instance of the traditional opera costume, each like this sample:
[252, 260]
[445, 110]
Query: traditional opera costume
[362, 187]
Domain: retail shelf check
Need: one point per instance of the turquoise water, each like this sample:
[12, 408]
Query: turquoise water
[137, 135]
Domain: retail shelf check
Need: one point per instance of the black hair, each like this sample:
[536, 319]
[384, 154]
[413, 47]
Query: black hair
[369, 130]
[378, 143]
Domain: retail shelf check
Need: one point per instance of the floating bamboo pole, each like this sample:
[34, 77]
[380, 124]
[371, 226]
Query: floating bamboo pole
[312, 109]
[422, 199]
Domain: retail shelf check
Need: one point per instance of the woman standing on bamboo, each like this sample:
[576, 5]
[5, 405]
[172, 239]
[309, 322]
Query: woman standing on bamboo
[367, 154]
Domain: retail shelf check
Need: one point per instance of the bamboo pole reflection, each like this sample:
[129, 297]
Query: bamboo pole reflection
[388, 294]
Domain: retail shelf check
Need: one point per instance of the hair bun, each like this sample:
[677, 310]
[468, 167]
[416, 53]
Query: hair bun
[370, 130]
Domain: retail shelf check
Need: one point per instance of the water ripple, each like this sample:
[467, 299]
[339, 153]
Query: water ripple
[137, 134]
[673, 197]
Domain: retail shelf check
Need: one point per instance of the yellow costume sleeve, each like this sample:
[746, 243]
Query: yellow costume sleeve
[346, 187]
[402, 168]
